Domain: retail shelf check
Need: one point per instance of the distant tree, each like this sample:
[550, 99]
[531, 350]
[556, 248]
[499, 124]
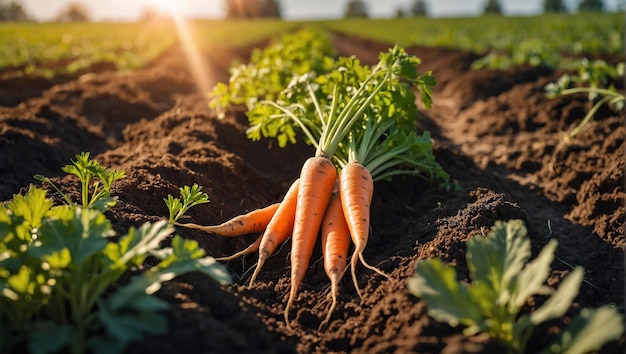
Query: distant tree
[268, 8]
[149, 13]
[239, 8]
[74, 12]
[554, 6]
[12, 11]
[399, 12]
[493, 7]
[356, 8]
[252, 8]
[591, 6]
[419, 8]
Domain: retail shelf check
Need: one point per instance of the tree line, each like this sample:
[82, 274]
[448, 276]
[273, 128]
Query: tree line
[12, 10]
[358, 8]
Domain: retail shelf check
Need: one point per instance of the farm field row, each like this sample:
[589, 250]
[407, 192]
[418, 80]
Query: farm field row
[550, 39]
[48, 49]
[557, 40]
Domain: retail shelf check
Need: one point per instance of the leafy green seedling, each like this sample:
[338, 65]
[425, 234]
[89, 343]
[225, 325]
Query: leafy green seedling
[501, 283]
[189, 197]
[92, 177]
[593, 79]
[60, 270]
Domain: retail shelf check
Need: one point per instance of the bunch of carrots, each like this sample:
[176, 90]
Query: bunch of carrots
[361, 121]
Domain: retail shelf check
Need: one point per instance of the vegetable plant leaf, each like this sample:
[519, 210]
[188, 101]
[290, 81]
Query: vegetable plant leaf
[448, 300]
[588, 331]
[561, 299]
[33, 206]
[21, 282]
[137, 294]
[123, 327]
[82, 231]
[189, 197]
[184, 256]
[530, 280]
[493, 301]
[49, 337]
[57, 265]
[145, 239]
[498, 258]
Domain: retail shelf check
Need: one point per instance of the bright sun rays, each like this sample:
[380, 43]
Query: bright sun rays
[198, 67]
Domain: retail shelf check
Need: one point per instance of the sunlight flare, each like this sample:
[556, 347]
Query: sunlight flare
[199, 68]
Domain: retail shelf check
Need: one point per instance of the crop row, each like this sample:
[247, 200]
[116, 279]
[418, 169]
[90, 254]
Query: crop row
[50, 49]
[551, 39]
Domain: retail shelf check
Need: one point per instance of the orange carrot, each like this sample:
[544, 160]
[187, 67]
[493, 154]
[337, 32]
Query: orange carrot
[335, 244]
[250, 249]
[279, 228]
[356, 188]
[317, 180]
[254, 221]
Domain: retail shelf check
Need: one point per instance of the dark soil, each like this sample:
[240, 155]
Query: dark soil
[495, 132]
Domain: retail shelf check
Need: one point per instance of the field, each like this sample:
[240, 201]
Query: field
[496, 133]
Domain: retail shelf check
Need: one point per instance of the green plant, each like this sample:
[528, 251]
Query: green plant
[66, 284]
[501, 283]
[594, 79]
[272, 68]
[92, 177]
[189, 197]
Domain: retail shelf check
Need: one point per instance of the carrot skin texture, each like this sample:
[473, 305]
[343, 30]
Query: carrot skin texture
[356, 188]
[335, 244]
[317, 180]
[254, 221]
[279, 228]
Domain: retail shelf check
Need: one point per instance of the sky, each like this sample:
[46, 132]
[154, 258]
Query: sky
[128, 10]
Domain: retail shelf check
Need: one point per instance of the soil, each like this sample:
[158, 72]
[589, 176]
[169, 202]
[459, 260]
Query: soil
[495, 132]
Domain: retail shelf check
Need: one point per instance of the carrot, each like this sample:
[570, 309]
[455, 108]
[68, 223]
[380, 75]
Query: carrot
[325, 126]
[254, 221]
[250, 249]
[279, 228]
[335, 244]
[317, 180]
[356, 188]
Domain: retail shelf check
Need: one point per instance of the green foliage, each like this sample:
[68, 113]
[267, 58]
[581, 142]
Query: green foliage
[419, 8]
[74, 12]
[554, 6]
[61, 272]
[596, 79]
[492, 7]
[591, 5]
[356, 112]
[12, 11]
[189, 197]
[94, 179]
[356, 8]
[272, 68]
[502, 280]
[78, 46]
[551, 39]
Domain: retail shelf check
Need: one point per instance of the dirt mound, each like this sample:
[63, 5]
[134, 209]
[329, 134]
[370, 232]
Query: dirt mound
[496, 134]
